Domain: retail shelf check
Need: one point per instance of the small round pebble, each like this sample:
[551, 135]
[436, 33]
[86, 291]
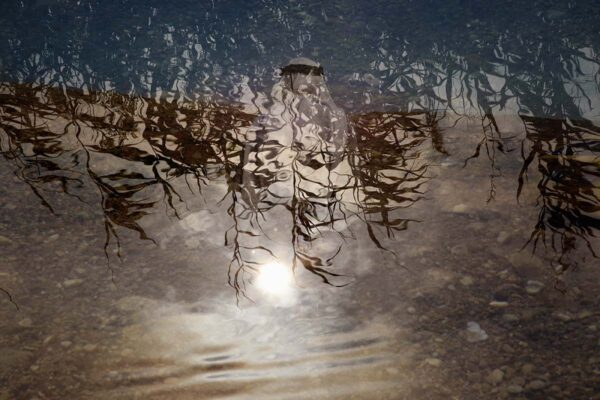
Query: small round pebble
[534, 287]
[434, 362]
[26, 323]
[536, 385]
[514, 389]
[495, 376]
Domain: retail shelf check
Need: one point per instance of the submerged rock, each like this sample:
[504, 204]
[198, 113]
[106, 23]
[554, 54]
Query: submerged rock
[467, 281]
[536, 385]
[503, 237]
[52, 238]
[72, 282]
[26, 323]
[434, 362]
[4, 239]
[563, 316]
[495, 376]
[514, 389]
[584, 314]
[474, 333]
[534, 287]
[527, 368]
[460, 208]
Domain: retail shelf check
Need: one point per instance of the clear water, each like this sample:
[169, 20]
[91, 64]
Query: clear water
[180, 220]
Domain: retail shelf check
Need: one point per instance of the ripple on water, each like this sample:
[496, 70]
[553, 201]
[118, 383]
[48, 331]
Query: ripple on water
[247, 353]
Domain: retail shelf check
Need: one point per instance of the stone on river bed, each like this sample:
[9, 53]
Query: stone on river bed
[495, 376]
[72, 282]
[434, 362]
[474, 333]
[536, 385]
[534, 287]
[514, 389]
[26, 323]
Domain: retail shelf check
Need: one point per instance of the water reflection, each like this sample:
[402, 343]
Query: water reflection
[435, 54]
[170, 349]
[174, 123]
[304, 159]
[298, 176]
[565, 155]
[128, 150]
[274, 278]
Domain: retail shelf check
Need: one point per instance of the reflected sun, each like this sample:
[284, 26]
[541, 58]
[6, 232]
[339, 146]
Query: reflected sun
[274, 278]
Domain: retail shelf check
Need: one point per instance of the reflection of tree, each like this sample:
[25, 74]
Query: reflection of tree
[379, 174]
[42, 160]
[388, 167]
[464, 53]
[136, 152]
[129, 149]
[473, 60]
[565, 152]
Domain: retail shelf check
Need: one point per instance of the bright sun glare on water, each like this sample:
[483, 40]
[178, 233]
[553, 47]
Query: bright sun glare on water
[274, 278]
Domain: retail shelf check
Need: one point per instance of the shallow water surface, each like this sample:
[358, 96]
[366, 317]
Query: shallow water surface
[183, 219]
